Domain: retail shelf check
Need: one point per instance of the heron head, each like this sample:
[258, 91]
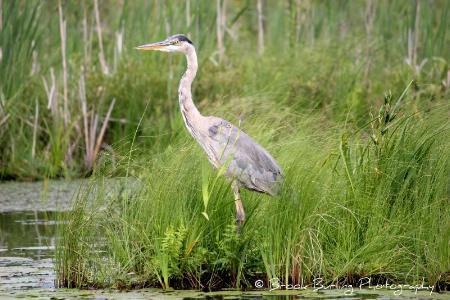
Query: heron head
[176, 43]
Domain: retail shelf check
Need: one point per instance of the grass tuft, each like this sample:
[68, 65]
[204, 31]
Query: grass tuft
[357, 202]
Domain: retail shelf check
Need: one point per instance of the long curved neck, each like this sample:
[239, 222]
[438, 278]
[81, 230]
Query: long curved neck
[187, 106]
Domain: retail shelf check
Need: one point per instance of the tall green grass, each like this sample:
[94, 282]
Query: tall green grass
[357, 201]
[363, 196]
[318, 54]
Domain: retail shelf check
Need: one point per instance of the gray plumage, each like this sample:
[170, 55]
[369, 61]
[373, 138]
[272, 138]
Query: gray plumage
[248, 163]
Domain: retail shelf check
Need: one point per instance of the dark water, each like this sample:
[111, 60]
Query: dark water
[27, 243]
[28, 220]
[27, 234]
[28, 214]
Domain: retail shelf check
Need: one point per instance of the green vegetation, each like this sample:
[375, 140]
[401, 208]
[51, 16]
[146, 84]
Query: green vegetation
[366, 190]
[374, 203]
[61, 69]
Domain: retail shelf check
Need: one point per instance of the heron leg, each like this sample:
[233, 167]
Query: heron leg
[240, 213]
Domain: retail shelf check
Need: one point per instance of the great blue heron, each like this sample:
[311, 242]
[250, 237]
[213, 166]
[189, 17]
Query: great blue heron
[247, 163]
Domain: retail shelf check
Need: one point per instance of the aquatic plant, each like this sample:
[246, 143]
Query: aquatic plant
[358, 202]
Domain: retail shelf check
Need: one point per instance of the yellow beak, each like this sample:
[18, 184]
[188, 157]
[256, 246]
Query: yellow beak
[156, 46]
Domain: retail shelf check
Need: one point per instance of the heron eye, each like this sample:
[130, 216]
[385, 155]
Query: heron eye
[175, 42]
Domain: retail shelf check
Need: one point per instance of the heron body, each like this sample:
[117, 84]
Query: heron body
[247, 163]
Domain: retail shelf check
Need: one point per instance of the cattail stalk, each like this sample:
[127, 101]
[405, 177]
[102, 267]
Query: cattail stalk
[82, 97]
[188, 18]
[62, 26]
[102, 131]
[5, 118]
[100, 42]
[220, 33]
[50, 91]
[298, 24]
[369, 18]
[260, 28]
[1, 15]
[35, 127]
[85, 37]
[416, 37]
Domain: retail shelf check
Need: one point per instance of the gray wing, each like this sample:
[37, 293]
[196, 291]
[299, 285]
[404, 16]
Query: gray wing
[247, 161]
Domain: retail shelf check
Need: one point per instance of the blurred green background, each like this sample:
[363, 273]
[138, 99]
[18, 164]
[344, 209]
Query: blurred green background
[63, 63]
